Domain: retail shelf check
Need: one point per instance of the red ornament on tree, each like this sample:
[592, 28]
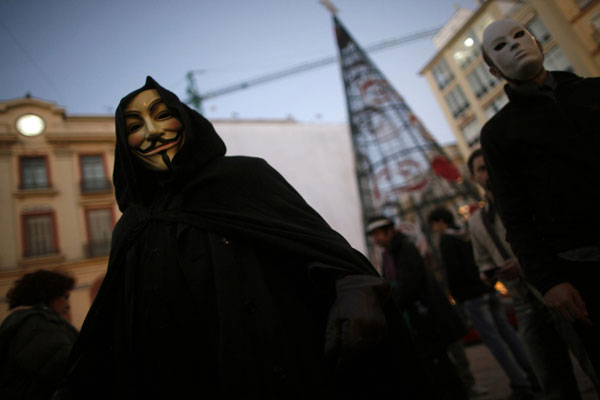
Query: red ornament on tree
[445, 169]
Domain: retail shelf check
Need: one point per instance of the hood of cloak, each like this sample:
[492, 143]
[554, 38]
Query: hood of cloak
[133, 183]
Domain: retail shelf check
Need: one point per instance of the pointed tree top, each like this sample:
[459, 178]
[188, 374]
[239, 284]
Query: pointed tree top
[329, 5]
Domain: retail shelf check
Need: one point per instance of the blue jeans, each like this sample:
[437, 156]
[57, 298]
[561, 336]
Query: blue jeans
[488, 316]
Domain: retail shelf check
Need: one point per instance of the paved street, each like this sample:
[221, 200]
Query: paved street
[489, 374]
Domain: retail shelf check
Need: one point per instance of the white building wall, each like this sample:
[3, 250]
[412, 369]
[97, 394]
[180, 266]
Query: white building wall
[317, 159]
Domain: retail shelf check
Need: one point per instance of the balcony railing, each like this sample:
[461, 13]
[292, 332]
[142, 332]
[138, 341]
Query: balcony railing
[34, 185]
[39, 251]
[97, 248]
[100, 185]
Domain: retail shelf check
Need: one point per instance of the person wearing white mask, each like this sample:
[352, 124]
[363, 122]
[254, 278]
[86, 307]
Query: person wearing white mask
[541, 152]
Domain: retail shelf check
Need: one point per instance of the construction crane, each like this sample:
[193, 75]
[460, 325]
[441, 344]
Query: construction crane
[195, 99]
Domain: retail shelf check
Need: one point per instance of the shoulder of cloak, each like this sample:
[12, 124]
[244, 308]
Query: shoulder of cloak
[128, 221]
[246, 196]
[250, 189]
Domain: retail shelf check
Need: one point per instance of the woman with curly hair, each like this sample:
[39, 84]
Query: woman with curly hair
[36, 337]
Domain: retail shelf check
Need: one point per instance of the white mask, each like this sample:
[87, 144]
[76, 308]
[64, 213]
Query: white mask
[513, 50]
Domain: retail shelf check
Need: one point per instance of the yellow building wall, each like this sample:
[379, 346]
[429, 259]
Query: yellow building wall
[570, 27]
[8, 222]
[63, 141]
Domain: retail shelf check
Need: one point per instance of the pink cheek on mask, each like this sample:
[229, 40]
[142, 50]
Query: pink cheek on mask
[173, 125]
[135, 139]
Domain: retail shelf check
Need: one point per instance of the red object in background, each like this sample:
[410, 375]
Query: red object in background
[444, 168]
[474, 207]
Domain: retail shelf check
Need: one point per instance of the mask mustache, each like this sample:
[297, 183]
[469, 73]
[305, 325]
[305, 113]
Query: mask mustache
[161, 141]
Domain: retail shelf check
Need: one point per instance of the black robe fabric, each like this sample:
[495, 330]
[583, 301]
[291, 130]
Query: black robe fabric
[219, 283]
[433, 321]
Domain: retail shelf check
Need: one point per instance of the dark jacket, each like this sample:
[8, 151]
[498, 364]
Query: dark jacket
[34, 345]
[541, 154]
[417, 292]
[462, 273]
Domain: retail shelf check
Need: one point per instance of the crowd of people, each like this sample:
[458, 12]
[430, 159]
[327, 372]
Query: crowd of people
[222, 281]
[536, 233]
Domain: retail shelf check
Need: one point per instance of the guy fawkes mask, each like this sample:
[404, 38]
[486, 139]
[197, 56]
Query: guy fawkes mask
[155, 134]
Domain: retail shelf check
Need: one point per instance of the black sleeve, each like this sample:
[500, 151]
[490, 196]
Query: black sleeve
[453, 260]
[517, 211]
[410, 274]
[43, 349]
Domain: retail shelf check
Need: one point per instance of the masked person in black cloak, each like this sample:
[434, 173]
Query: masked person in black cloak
[223, 283]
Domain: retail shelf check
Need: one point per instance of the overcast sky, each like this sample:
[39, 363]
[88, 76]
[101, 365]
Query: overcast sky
[87, 54]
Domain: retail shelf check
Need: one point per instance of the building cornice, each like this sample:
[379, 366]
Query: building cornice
[73, 138]
[55, 262]
[30, 101]
[9, 138]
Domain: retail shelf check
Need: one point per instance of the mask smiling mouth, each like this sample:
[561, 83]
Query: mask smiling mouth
[159, 144]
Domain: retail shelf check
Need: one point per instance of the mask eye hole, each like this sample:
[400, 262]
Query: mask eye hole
[519, 34]
[136, 126]
[499, 46]
[163, 115]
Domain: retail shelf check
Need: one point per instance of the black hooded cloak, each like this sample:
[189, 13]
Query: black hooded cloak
[219, 282]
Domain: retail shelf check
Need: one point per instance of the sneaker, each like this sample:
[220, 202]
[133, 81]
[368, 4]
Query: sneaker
[477, 390]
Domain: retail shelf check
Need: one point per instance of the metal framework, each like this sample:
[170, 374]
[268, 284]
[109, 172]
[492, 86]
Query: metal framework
[402, 172]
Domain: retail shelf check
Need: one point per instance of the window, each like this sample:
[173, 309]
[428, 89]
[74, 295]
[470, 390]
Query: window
[471, 132]
[456, 100]
[583, 3]
[467, 49]
[596, 27]
[39, 234]
[495, 105]
[442, 74]
[481, 80]
[34, 173]
[539, 30]
[99, 226]
[596, 22]
[93, 174]
[555, 60]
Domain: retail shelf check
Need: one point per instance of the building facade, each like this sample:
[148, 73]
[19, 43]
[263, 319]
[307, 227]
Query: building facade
[568, 30]
[57, 205]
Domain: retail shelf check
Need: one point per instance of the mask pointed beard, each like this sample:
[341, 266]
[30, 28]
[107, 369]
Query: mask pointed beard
[166, 159]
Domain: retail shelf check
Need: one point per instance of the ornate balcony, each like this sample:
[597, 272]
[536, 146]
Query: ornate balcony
[91, 186]
[97, 248]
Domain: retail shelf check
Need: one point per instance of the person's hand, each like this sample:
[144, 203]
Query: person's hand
[567, 302]
[488, 279]
[509, 270]
[356, 320]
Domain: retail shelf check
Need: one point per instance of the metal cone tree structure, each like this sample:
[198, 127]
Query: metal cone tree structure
[401, 169]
